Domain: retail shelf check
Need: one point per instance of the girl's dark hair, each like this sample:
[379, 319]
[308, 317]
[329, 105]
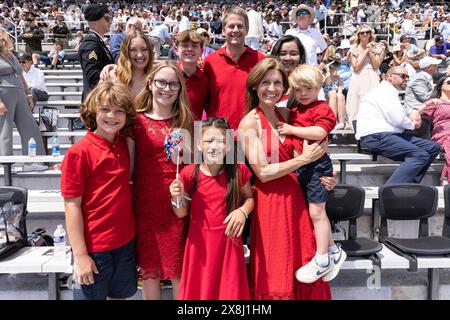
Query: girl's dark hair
[232, 194]
[437, 92]
[275, 53]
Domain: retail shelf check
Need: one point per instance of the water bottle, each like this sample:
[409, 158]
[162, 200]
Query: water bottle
[56, 149]
[59, 239]
[32, 147]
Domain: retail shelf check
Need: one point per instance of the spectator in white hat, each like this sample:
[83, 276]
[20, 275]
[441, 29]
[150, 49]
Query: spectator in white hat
[420, 88]
[310, 37]
[206, 40]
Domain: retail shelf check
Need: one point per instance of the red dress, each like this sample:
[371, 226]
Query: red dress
[160, 234]
[282, 235]
[440, 116]
[214, 265]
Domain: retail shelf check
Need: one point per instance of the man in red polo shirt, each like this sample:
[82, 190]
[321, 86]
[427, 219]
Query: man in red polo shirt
[189, 50]
[228, 68]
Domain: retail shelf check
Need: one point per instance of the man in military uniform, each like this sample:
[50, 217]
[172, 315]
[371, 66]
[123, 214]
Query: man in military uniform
[93, 53]
[32, 36]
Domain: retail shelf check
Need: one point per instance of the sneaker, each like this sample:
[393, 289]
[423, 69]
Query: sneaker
[33, 167]
[336, 260]
[339, 126]
[311, 272]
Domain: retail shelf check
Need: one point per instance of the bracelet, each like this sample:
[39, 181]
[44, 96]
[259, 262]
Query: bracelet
[243, 211]
[29, 95]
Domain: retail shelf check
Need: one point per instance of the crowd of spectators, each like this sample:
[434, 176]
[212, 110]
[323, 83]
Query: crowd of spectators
[348, 40]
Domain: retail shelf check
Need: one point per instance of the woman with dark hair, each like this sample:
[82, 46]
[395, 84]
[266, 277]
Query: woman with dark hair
[437, 108]
[291, 53]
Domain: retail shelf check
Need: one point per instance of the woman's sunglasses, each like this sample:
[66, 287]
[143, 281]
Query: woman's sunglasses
[365, 32]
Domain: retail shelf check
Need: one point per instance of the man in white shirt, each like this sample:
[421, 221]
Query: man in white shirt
[396, 3]
[184, 22]
[311, 38]
[444, 28]
[255, 33]
[409, 28]
[381, 125]
[34, 78]
[159, 35]
[275, 29]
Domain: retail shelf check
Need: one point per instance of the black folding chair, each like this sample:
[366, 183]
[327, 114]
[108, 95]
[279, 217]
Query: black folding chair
[446, 227]
[346, 203]
[13, 210]
[409, 201]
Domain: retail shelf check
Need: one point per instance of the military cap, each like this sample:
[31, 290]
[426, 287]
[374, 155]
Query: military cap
[95, 12]
[22, 55]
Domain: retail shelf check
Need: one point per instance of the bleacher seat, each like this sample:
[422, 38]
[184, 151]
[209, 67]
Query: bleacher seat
[446, 227]
[346, 203]
[410, 201]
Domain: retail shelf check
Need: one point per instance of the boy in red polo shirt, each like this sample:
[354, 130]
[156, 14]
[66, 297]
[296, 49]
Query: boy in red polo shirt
[189, 46]
[97, 198]
[313, 119]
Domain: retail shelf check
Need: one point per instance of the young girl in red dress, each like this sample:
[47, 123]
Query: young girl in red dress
[162, 107]
[214, 264]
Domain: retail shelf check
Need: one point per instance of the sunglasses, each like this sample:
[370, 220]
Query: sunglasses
[365, 32]
[107, 17]
[404, 76]
[301, 12]
[23, 61]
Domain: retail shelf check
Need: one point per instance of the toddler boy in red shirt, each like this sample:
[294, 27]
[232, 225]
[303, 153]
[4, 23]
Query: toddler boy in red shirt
[313, 119]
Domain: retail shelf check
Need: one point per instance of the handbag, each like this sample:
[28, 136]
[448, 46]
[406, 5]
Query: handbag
[13, 235]
[48, 119]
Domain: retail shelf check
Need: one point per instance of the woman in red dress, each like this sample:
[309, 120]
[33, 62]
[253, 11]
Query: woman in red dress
[162, 106]
[282, 235]
[437, 108]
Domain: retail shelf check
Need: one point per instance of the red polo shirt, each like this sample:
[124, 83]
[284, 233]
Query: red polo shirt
[197, 86]
[227, 83]
[318, 113]
[98, 171]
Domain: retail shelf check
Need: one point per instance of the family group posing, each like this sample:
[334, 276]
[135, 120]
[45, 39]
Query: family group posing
[131, 207]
